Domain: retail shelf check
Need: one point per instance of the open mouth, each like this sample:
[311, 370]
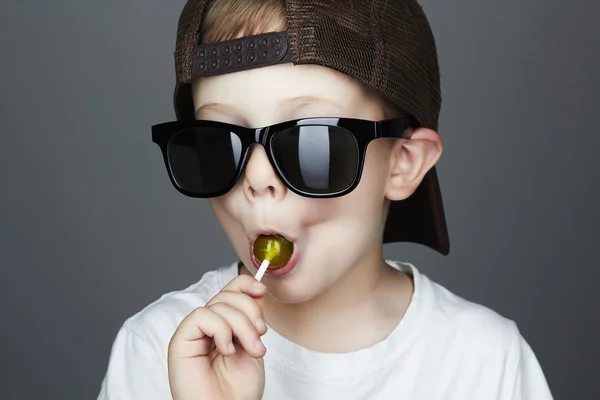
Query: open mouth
[286, 249]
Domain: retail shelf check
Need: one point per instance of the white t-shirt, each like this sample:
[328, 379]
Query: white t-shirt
[445, 348]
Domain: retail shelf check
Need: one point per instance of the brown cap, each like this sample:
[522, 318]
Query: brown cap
[386, 45]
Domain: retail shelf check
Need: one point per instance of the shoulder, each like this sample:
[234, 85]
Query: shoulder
[480, 351]
[472, 321]
[138, 359]
[462, 324]
[481, 330]
[156, 323]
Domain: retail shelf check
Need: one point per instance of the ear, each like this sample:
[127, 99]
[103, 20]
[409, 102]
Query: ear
[410, 160]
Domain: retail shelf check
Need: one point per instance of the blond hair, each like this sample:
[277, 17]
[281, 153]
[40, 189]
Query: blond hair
[231, 19]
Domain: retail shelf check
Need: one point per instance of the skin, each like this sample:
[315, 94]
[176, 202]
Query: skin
[341, 282]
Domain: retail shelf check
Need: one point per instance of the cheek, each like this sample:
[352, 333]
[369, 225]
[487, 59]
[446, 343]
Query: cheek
[230, 218]
[364, 206]
[373, 181]
[362, 210]
[223, 208]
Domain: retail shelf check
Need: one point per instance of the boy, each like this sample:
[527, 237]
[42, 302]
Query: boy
[343, 323]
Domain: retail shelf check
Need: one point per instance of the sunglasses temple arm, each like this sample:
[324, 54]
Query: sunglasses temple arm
[394, 128]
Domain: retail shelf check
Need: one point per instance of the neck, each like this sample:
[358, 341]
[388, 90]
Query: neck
[368, 300]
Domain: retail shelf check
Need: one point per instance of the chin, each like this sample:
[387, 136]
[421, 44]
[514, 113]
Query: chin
[292, 294]
[302, 285]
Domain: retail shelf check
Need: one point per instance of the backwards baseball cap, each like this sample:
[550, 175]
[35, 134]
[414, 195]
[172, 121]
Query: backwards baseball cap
[386, 45]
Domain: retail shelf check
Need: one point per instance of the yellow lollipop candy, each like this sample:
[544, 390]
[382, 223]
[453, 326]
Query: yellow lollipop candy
[274, 248]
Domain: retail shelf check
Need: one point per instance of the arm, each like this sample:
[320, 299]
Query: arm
[528, 379]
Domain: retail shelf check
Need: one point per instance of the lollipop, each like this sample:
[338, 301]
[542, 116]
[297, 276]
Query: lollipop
[272, 252]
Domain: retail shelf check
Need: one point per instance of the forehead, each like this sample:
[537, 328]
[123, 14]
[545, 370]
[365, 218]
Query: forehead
[282, 90]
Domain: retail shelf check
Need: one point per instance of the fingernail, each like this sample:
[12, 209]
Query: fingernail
[260, 324]
[259, 345]
[231, 348]
[258, 285]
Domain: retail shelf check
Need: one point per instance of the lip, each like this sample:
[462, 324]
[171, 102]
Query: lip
[269, 232]
[287, 268]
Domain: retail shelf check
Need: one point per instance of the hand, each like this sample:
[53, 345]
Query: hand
[216, 352]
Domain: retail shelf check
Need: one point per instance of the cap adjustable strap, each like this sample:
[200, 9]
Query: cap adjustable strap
[241, 54]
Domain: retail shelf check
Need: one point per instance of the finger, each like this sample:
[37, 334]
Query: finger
[192, 348]
[256, 290]
[245, 304]
[246, 284]
[243, 329]
[193, 336]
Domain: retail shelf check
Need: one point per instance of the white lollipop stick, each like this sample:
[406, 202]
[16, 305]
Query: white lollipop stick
[261, 270]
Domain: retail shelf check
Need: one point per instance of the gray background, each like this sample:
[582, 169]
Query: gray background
[91, 230]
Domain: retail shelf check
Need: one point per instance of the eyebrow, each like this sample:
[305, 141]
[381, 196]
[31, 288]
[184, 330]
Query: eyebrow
[300, 101]
[296, 102]
[215, 106]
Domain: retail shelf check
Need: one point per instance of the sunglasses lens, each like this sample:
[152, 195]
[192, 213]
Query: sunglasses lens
[203, 160]
[316, 159]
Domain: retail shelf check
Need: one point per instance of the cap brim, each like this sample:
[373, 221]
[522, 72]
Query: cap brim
[420, 218]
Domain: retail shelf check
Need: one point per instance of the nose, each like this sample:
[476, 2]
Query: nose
[260, 180]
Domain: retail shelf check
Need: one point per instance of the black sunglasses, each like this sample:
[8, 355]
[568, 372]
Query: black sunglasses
[313, 157]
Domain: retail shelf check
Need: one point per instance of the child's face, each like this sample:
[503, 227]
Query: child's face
[329, 235]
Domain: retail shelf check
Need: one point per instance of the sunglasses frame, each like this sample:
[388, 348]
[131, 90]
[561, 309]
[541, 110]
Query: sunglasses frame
[363, 132]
